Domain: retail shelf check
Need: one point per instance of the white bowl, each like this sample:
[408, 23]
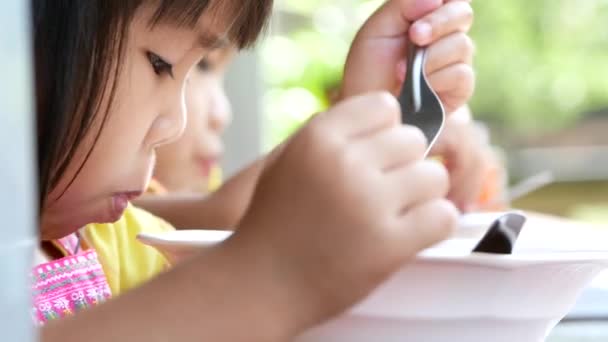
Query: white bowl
[448, 294]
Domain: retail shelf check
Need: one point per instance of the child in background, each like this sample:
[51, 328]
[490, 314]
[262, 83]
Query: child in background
[191, 164]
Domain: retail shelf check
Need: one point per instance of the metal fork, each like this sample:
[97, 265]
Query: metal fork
[420, 106]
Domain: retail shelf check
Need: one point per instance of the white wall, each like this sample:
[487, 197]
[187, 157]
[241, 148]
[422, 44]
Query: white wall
[245, 89]
[16, 173]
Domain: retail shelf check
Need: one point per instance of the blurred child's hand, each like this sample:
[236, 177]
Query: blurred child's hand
[376, 60]
[467, 154]
[345, 203]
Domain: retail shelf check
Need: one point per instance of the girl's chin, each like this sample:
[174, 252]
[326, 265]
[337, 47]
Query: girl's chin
[58, 226]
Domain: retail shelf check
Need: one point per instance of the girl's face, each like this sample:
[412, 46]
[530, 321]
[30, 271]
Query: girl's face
[185, 165]
[148, 110]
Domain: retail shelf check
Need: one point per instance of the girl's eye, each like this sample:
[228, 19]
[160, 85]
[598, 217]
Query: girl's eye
[204, 65]
[159, 66]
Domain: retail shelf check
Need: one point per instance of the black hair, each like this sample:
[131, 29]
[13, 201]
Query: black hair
[77, 44]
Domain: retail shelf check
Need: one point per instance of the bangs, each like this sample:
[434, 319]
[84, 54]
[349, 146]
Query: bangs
[245, 20]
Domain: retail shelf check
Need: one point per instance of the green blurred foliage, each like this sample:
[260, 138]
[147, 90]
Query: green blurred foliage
[540, 64]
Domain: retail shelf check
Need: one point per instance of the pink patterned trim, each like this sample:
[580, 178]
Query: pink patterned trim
[65, 286]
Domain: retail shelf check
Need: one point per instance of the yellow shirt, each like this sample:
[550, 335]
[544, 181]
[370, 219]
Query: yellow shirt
[215, 179]
[127, 263]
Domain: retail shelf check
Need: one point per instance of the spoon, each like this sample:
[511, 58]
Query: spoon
[420, 106]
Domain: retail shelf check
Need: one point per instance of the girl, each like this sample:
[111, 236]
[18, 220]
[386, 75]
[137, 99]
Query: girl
[110, 81]
[188, 165]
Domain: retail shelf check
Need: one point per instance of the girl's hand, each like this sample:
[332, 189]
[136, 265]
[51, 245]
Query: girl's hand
[347, 201]
[377, 57]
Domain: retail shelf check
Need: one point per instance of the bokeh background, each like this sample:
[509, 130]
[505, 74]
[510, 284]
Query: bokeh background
[542, 71]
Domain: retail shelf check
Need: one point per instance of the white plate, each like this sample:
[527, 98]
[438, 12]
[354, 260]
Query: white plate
[195, 238]
[530, 249]
[469, 226]
[181, 244]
